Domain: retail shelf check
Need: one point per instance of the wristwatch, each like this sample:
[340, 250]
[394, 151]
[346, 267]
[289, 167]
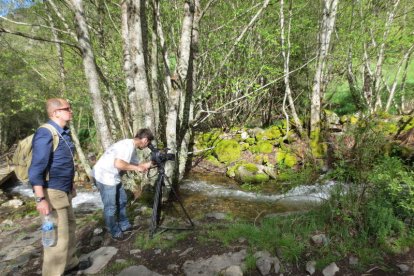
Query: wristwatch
[39, 199]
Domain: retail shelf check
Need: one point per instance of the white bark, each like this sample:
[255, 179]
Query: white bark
[381, 56]
[286, 58]
[393, 89]
[327, 25]
[140, 68]
[62, 75]
[127, 67]
[91, 74]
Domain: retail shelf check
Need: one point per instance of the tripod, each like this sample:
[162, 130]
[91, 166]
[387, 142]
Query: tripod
[156, 210]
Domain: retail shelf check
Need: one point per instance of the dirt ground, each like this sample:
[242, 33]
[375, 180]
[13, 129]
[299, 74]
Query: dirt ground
[169, 261]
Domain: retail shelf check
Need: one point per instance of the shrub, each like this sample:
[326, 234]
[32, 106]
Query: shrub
[395, 184]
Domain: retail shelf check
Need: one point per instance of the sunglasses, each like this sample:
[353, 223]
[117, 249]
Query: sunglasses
[68, 109]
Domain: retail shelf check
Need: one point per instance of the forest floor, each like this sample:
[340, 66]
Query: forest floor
[184, 245]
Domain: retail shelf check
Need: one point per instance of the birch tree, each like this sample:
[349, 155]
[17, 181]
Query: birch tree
[325, 33]
[139, 67]
[91, 73]
[286, 45]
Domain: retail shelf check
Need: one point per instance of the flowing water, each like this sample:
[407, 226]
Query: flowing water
[211, 194]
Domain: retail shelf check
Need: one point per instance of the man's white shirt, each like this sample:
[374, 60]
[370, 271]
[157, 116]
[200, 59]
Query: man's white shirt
[104, 170]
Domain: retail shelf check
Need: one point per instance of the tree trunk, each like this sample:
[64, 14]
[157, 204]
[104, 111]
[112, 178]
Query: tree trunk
[146, 113]
[393, 89]
[327, 24]
[127, 66]
[62, 74]
[286, 59]
[381, 57]
[91, 74]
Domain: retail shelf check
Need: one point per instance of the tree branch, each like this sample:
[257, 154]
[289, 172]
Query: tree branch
[4, 30]
[33, 25]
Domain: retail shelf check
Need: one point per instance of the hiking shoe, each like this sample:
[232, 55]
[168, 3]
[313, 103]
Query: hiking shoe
[82, 265]
[131, 229]
[124, 236]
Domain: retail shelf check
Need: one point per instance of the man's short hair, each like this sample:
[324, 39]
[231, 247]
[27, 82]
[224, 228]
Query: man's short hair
[144, 133]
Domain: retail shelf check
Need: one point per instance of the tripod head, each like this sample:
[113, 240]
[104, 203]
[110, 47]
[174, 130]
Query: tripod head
[159, 157]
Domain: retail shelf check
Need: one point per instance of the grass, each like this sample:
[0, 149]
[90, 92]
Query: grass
[143, 241]
[116, 268]
[289, 238]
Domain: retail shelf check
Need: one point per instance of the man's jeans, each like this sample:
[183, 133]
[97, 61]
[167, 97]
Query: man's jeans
[114, 199]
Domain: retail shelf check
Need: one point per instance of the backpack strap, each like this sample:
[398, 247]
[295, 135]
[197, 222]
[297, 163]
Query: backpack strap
[55, 134]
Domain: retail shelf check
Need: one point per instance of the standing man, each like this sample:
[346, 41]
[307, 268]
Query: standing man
[119, 157]
[51, 174]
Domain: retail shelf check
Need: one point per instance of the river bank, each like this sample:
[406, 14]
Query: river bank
[182, 252]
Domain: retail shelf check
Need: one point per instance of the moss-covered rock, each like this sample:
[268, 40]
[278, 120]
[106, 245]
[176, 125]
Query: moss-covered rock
[407, 122]
[227, 151]
[245, 146]
[388, 127]
[209, 139]
[273, 133]
[250, 141]
[262, 147]
[351, 119]
[212, 160]
[249, 173]
[286, 158]
[261, 159]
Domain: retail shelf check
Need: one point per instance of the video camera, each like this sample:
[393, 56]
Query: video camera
[160, 156]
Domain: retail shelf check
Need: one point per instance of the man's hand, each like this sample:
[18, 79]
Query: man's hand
[74, 193]
[43, 207]
[143, 167]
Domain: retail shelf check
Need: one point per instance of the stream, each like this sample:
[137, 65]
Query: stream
[202, 195]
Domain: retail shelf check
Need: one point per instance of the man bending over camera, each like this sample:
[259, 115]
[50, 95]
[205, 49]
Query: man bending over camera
[119, 157]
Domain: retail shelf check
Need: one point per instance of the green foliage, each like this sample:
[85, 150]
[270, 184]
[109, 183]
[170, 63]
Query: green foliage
[305, 175]
[358, 150]
[381, 223]
[395, 183]
[250, 187]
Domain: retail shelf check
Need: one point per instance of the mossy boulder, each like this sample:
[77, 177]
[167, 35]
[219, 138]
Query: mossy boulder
[262, 159]
[286, 158]
[407, 122]
[227, 151]
[351, 119]
[272, 133]
[249, 173]
[209, 139]
[244, 146]
[250, 141]
[212, 160]
[262, 147]
[388, 127]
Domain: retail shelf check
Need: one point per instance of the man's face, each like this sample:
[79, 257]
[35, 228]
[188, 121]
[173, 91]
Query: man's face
[64, 111]
[143, 143]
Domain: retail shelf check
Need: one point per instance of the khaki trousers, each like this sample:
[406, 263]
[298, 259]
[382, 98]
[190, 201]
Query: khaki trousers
[61, 256]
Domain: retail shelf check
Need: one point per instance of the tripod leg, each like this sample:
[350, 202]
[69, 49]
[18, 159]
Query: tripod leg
[182, 206]
[156, 209]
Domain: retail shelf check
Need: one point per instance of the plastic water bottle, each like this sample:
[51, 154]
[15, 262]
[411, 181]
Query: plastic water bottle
[48, 231]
